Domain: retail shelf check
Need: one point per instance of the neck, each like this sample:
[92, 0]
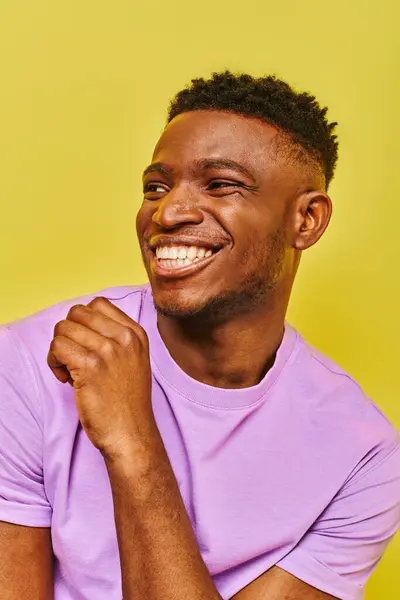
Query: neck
[233, 354]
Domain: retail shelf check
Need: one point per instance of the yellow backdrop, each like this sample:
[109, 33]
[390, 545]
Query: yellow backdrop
[84, 89]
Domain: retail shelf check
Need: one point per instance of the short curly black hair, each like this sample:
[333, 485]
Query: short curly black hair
[272, 100]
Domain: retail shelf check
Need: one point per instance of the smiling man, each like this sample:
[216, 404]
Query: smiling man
[180, 439]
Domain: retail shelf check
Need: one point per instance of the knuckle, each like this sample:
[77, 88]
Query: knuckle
[133, 337]
[76, 310]
[127, 337]
[55, 344]
[98, 302]
[60, 327]
[93, 361]
[108, 348]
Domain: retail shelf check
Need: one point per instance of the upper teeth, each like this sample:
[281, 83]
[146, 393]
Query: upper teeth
[182, 252]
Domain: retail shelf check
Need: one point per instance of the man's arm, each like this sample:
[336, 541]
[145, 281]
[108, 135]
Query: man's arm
[160, 558]
[277, 584]
[26, 563]
[105, 355]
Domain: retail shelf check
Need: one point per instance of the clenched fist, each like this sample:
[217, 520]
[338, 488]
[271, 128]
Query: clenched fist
[104, 354]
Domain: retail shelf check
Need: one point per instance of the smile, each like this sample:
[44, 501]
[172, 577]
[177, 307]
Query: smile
[181, 261]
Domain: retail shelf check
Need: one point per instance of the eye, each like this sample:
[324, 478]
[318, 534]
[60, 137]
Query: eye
[154, 188]
[216, 185]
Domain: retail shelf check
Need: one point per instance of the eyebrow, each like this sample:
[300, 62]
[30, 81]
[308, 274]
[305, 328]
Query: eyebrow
[158, 168]
[203, 165]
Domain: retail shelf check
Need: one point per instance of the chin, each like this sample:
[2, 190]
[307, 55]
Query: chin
[183, 303]
[207, 310]
[176, 310]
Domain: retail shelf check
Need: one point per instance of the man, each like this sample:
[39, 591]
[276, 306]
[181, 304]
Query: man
[202, 449]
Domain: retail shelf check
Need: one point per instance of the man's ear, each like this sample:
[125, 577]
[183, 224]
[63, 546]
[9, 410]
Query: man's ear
[313, 213]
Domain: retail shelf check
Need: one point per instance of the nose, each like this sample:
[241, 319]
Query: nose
[177, 207]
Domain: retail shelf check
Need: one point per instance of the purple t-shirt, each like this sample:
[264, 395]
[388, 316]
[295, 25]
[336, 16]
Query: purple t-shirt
[300, 471]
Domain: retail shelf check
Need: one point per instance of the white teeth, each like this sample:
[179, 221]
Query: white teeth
[192, 252]
[169, 263]
[182, 253]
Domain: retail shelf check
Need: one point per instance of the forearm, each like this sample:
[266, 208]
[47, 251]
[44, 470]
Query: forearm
[160, 558]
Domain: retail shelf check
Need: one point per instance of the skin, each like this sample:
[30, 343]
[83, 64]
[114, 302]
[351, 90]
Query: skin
[26, 563]
[222, 325]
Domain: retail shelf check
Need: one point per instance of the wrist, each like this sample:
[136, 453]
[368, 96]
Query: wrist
[139, 480]
[136, 457]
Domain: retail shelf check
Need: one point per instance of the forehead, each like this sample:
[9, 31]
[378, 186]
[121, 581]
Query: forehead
[215, 134]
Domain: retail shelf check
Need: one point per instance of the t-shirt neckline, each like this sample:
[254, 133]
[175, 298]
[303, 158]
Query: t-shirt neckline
[165, 368]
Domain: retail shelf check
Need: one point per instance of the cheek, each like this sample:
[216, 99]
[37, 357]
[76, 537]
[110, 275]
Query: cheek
[143, 216]
[254, 234]
[260, 247]
[248, 255]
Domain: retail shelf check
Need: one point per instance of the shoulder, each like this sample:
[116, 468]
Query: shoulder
[26, 341]
[37, 327]
[338, 403]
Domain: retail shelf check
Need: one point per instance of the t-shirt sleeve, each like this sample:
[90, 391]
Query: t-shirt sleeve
[23, 498]
[346, 542]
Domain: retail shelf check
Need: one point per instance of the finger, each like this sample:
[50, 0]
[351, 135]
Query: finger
[64, 357]
[108, 309]
[94, 335]
[100, 324]
[62, 374]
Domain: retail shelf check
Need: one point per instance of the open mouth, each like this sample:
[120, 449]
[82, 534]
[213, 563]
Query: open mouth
[181, 260]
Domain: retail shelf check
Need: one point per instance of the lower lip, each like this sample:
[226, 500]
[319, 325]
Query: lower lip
[179, 272]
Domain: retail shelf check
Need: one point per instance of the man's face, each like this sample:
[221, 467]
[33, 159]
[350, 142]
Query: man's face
[216, 183]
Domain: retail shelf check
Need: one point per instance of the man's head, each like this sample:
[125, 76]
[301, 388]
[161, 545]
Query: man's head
[241, 169]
